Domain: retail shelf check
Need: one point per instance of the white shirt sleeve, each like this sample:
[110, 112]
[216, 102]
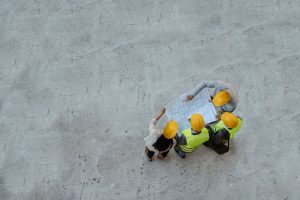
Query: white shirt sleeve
[154, 134]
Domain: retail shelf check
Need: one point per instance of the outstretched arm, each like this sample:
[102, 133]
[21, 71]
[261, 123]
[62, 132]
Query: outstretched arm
[162, 112]
[198, 88]
[210, 84]
[152, 125]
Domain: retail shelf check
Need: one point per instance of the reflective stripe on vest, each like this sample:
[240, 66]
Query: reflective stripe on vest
[220, 125]
[194, 141]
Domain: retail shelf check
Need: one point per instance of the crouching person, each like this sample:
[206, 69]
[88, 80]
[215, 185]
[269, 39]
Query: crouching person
[222, 131]
[193, 137]
[160, 141]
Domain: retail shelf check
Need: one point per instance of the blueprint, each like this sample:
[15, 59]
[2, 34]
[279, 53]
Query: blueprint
[181, 110]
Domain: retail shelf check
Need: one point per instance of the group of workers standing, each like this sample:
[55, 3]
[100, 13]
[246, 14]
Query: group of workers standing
[215, 135]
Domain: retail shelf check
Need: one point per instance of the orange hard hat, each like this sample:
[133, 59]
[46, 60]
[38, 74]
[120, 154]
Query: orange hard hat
[197, 122]
[221, 98]
[230, 120]
[170, 129]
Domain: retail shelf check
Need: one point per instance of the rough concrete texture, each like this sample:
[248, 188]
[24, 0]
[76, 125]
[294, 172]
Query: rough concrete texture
[80, 81]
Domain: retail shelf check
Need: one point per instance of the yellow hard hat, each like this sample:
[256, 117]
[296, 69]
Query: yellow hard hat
[230, 120]
[170, 129]
[221, 98]
[197, 122]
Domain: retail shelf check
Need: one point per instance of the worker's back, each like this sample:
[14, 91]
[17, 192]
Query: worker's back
[193, 141]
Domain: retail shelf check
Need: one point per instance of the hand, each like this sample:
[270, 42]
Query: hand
[162, 111]
[189, 97]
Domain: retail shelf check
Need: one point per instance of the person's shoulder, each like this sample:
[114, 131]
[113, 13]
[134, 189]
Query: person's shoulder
[186, 130]
[219, 81]
[205, 129]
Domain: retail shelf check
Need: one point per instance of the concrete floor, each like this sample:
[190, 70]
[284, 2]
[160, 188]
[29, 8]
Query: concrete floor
[80, 81]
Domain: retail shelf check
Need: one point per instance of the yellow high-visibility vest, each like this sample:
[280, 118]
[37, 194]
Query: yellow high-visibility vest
[194, 141]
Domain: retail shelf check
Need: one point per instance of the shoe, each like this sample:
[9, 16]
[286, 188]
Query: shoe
[179, 152]
[182, 155]
[146, 152]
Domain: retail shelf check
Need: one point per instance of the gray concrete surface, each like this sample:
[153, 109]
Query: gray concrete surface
[80, 80]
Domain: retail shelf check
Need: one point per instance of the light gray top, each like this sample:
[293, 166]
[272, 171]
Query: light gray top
[218, 86]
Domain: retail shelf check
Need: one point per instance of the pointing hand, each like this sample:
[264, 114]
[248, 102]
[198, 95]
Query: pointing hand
[189, 97]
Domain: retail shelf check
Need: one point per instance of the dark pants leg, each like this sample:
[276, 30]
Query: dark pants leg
[218, 148]
[149, 153]
[162, 155]
[179, 151]
[209, 144]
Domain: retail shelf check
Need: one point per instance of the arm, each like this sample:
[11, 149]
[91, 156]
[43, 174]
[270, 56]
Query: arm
[152, 124]
[180, 140]
[202, 85]
[162, 112]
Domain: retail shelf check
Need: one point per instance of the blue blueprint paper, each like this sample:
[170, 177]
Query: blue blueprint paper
[180, 110]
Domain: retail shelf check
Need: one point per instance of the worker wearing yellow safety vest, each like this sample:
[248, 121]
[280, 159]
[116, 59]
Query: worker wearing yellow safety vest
[222, 131]
[160, 141]
[193, 137]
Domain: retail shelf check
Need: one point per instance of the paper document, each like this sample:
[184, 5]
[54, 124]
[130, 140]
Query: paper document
[181, 110]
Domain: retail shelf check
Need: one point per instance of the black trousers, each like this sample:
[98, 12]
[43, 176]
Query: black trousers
[150, 153]
[218, 148]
